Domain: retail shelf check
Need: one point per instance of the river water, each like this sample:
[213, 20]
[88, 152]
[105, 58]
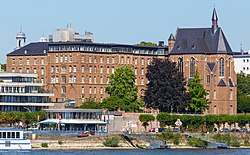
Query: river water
[135, 152]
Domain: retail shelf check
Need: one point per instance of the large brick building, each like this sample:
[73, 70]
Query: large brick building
[79, 70]
[207, 50]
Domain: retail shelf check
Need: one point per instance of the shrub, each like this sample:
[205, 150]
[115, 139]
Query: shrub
[60, 142]
[111, 142]
[222, 138]
[166, 135]
[235, 142]
[197, 142]
[176, 139]
[44, 145]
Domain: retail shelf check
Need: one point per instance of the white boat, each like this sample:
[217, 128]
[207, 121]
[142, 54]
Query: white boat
[13, 139]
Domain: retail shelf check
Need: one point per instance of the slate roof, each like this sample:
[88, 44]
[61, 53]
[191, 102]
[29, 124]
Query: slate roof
[200, 41]
[222, 83]
[36, 48]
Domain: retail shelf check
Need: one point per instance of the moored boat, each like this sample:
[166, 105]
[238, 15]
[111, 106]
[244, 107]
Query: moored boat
[13, 139]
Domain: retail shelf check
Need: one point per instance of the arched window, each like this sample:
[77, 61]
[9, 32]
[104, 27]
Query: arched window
[229, 67]
[221, 69]
[180, 65]
[192, 67]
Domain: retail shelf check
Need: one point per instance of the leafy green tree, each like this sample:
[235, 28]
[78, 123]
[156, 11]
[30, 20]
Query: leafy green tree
[198, 94]
[145, 118]
[3, 67]
[122, 85]
[145, 43]
[111, 103]
[243, 103]
[90, 104]
[166, 88]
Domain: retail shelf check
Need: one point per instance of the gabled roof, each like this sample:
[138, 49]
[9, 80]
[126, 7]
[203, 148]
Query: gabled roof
[37, 48]
[222, 83]
[211, 66]
[200, 41]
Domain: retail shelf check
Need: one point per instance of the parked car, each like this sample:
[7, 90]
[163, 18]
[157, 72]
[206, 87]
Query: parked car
[235, 130]
[151, 130]
[33, 128]
[176, 129]
[83, 134]
[244, 130]
[163, 129]
[225, 130]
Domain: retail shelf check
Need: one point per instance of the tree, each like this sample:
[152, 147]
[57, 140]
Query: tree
[122, 85]
[144, 43]
[166, 88]
[3, 67]
[90, 104]
[145, 118]
[198, 94]
[243, 103]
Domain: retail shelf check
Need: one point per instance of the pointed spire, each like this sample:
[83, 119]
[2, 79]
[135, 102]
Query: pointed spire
[171, 37]
[214, 21]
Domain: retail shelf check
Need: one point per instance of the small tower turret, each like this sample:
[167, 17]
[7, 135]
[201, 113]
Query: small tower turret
[171, 41]
[20, 39]
[214, 21]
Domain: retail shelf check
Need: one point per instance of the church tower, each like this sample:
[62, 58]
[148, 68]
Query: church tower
[20, 39]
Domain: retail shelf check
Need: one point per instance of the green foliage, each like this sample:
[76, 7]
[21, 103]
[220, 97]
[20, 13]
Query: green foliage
[222, 138]
[198, 94]
[145, 118]
[166, 135]
[144, 43]
[194, 142]
[234, 142]
[243, 82]
[111, 142]
[166, 88]
[3, 67]
[90, 104]
[122, 86]
[243, 103]
[45, 145]
[176, 139]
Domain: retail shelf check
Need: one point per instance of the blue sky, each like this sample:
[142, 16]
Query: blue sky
[127, 21]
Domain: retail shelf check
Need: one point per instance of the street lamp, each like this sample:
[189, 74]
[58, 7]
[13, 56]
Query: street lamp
[27, 109]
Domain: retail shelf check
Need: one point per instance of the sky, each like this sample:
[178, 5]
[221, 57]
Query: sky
[117, 21]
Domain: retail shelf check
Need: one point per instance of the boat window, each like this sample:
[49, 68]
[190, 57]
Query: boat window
[17, 134]
[8, 134]
[1, 135]
[12, 134]
[7, 143]
[4, 134]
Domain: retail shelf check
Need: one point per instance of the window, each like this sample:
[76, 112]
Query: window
[42, 60]
[243, 60]
[35, 61]
[90, 59]
[63, 90]
[231, 94]
[229, 67]
[63, 69]
[13, 70]
[35, 70]
[70, 58]
[136, 61]
[82, 90]
[56, 59]
[66, 58]
[180, 65]
[13, 61]
[108, 70]
[20, 61]
[101, 69]
[101, 80]
[56, 79]
[82, 69]
[128, 60]
[142, 71]
[192, 67]
[113, 60]
[28, 61]
[28, 70]
[90, 69]
[70, 79]
[90, 79]
[82, 79]
[100, 59]
[94, 79]
[74, 70]
[94, 59]
[74, 79]
[94, 90]
[101, 91]
[63, 79]
[52, 69]
[90, 90]
[135, 71]
[83, 99]
[142, 81]
[82, 58]
[122, 60]
[20, 70]
[142, 61]
[221, 67]
[208, 79]
[57, 69]
[61, 58]
[113, 70]
[42, 71]
[95, 69]
[215, 94]
[107, 60]
[149, 61]
[70, 69]
[42, 80]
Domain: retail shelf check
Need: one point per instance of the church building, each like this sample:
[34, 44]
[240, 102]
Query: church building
[207, 50]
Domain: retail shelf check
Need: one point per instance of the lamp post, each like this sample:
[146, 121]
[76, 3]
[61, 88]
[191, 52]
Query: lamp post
[27, 109]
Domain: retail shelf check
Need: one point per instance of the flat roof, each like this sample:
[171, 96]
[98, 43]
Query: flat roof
[71, 121]
[72, 110]
[12, 74]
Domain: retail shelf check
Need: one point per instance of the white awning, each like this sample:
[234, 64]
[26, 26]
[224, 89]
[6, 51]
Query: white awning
[71, 121]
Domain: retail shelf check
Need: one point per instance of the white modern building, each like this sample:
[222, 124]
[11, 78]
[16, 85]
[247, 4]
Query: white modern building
[21, 92]
[242, 62]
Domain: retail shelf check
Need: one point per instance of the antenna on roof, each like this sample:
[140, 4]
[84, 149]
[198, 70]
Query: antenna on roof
[69, 23]
[241, 49]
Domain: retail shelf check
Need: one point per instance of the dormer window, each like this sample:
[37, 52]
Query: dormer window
[178, 47]
[193, 47]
